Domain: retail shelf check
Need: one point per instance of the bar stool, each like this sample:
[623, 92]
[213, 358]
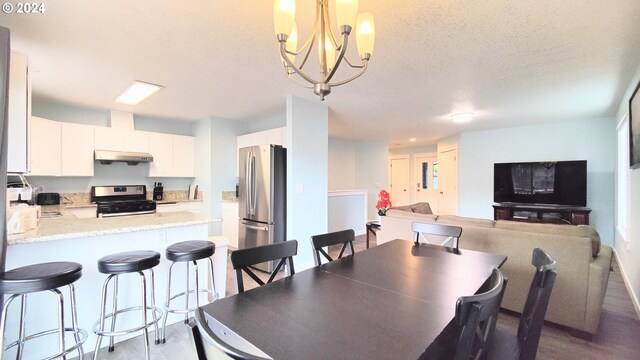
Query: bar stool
[188, 251]
[42, 277]
[123, 263]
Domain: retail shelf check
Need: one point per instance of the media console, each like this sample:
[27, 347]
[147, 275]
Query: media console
[542, 213]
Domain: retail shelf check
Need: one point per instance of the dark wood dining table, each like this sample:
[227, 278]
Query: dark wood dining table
[387, 302]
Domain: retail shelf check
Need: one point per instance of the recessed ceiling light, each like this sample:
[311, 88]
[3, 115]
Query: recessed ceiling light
[136, 92]
[412, 139]
[462, 117]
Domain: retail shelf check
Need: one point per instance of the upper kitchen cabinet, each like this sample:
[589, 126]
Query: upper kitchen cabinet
[107, 138]
[161, 147]
[173, 155]
[60, 149]
[45, 147]
[184, 151]
[19, 113]
[76, 150]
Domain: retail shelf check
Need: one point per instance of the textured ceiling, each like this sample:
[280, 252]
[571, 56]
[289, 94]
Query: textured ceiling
[510, 62]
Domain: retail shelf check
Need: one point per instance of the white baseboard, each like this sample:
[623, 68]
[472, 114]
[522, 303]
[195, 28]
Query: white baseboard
[634, 296]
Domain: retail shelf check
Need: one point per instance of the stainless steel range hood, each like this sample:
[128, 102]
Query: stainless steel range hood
[131, 158]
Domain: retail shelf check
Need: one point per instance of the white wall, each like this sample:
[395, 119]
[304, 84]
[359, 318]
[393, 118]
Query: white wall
[592, 140]
[629, 258]
[307, 139]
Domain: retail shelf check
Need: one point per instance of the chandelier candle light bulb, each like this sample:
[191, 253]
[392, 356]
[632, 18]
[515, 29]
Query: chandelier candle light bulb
[330, 51]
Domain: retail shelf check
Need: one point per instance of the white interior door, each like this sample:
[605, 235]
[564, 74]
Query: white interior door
[399, 181]
[425, 180]
[448, 182]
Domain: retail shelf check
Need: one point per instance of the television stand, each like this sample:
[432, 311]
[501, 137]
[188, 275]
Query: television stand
[542, 213]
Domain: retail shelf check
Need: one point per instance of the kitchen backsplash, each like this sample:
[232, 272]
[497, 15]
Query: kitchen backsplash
[79, 199]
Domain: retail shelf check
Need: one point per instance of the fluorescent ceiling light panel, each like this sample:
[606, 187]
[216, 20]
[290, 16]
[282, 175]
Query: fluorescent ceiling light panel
[136, 92]
[462, 117]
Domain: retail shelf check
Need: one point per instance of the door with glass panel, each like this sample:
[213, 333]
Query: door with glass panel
[425, 180]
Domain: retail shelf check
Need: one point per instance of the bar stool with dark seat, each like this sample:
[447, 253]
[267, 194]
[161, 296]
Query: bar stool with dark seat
[119, 264]
[42, 277]
[188, 251]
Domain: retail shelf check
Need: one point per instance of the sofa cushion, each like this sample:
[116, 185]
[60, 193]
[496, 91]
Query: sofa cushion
[421, 208]
[430, 218]
[558, 229]
[464, 221]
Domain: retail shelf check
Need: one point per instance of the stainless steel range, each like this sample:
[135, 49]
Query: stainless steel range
[121, 200]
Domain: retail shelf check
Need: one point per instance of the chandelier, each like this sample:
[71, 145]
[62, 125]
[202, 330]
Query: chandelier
[330, 53]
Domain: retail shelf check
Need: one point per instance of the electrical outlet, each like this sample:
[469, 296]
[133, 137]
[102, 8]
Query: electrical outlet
[628, 245]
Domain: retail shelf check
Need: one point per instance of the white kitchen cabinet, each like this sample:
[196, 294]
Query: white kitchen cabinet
[45, 147]
[184, 148]
[230, 223]
[161, 147]
[19, 114]
[121, 140]
[76, 147]
[173, 155]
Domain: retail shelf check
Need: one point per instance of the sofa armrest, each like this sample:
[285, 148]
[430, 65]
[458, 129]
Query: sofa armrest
[599, 269]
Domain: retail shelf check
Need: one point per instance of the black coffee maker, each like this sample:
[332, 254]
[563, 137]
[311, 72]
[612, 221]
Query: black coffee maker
[157, 191]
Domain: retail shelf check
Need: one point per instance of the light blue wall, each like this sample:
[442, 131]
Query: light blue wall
[342, 164]
[591, 140]
[224, 133]
[307, 139]
[372, 171]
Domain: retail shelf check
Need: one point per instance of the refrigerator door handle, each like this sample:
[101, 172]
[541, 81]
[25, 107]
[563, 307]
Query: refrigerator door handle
[247, 185]
[253, 227]
[253, 195]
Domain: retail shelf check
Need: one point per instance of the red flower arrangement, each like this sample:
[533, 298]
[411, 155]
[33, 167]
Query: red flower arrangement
[384, 202]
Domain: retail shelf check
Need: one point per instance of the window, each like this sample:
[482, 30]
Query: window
[435, 175]
[622, 198]
[425, 175]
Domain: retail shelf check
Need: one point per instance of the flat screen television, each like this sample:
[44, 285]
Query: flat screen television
[544, 182]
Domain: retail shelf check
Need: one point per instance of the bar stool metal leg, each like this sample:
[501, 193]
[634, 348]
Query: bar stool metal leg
[74, 321]
[102, 315]
[3, 321]
[60, 321]
[197, 293]
[144, 315]
[21, 336]
[114, 311]
[186, 295]
[166, 305]
[153, 306]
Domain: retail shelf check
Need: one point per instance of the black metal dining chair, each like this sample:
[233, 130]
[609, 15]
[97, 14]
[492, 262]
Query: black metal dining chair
[524, 344]
[476, 316]
[450, 233]
[243, 259]
[344, 237]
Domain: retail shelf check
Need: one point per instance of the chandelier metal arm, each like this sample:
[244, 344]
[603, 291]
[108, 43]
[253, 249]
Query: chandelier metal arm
[342, 82]
[283, 53]
[343, 50]
[325, 14]
[353, 66]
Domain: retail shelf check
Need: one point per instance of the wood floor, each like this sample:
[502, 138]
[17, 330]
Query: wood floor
[618, 336]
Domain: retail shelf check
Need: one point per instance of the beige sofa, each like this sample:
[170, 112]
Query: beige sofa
[582, 263]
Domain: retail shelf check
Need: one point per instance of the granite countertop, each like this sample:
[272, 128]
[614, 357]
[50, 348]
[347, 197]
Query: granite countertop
[68, 226]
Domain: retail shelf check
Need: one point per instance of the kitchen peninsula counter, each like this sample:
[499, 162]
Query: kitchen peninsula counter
[86, 240]
[68, 226]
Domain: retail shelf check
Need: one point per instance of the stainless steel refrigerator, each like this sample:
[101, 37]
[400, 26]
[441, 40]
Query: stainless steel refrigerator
[262, 197]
